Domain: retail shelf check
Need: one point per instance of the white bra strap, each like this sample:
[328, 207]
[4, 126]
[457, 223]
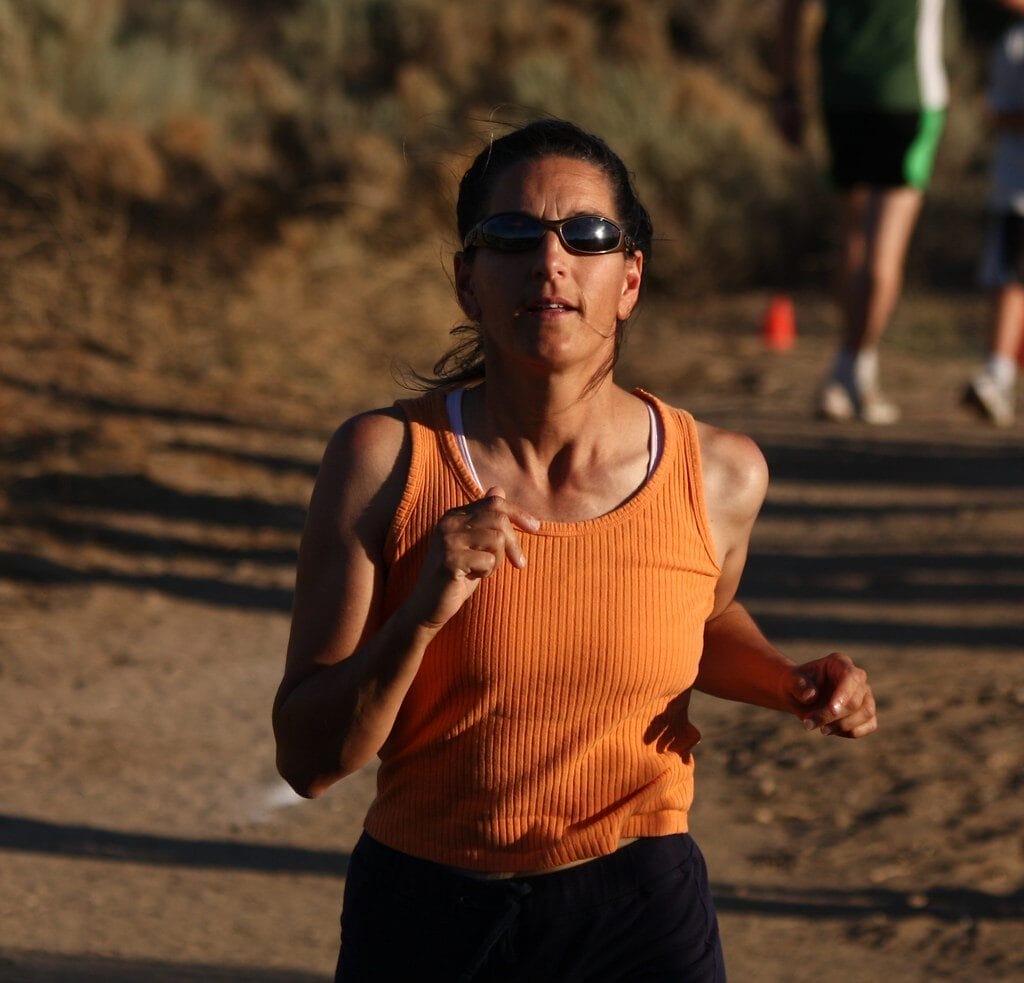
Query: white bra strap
[453, 404]
[654, 442]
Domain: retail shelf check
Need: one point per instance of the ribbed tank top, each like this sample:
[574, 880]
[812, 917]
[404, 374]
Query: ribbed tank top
[533, 735]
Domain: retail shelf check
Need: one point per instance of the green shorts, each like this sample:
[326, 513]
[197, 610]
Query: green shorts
[885, 150]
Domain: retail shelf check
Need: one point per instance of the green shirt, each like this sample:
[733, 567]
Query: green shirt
[883, 55]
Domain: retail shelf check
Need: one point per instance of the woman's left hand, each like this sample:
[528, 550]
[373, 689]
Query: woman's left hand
[837, 696]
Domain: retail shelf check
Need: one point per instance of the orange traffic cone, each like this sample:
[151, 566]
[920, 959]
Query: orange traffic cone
[779, 327]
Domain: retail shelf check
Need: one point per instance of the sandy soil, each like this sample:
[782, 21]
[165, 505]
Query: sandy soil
[147, 538]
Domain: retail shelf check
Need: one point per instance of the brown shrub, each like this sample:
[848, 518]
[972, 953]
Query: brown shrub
[108, 158]
[189, 137]
[369, 108]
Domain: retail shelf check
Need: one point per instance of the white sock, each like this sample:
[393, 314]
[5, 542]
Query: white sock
[1002, 369]
[857, 369]
[865, 369]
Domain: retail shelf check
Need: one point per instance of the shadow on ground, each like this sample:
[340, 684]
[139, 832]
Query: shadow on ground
[93, 843]
[40, 967]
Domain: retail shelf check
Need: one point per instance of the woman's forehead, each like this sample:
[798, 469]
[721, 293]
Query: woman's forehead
[553, 187]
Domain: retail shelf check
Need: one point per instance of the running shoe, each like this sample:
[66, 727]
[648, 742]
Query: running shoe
[990, 399]
[839, 401]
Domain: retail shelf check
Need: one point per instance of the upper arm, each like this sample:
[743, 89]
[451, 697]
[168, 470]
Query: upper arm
[340, 570]
[735, 483]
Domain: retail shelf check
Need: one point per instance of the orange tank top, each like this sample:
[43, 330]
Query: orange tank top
[533, 734]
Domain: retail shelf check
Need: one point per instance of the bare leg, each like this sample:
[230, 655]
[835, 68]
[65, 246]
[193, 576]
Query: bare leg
[876, 226]
[1008, 324]
[875, 229]
[851, 271]
[992, 391]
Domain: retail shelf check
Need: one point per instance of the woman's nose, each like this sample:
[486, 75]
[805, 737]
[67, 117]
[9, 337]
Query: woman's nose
[550, 253]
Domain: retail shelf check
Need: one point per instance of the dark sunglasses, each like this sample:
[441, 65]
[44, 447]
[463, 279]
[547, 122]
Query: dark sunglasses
[514, 232]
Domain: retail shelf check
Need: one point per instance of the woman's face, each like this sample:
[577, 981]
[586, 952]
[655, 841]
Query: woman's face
[547, 307]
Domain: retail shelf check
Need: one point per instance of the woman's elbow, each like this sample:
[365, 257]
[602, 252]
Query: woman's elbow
[309, 760]
[311, 771]
[308, 782]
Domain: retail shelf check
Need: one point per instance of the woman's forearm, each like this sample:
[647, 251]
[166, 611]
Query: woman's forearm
[335, 720]
[739, 663]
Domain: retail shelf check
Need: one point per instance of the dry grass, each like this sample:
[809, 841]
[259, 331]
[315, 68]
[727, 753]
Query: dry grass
[249, 194]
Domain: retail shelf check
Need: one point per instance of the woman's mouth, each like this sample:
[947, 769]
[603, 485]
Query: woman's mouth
[542, 308]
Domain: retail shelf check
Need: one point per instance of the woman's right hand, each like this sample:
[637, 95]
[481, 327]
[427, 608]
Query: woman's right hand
[468, 545]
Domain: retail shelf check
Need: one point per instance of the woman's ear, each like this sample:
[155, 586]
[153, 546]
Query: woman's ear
[464, 288]
[632, 279]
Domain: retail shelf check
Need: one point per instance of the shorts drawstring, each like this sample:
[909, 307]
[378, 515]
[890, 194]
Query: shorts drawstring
[517, 890]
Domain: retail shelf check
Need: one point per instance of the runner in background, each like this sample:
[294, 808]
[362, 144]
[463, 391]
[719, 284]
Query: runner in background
[884, 95]
[992, 390]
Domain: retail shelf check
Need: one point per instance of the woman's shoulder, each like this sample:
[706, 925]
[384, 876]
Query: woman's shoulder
[718, 446]
[367, 456]
[376, 445]
[735, 470]
[728, 448]
[371, 434]
[732, 464]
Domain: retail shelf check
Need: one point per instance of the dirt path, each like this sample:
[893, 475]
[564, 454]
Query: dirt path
[147, 538]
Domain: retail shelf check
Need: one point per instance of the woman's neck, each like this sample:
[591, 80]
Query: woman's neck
[548, 413]
[567, 454]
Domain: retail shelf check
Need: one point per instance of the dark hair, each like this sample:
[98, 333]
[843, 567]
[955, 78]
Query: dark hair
[463, 362]
[551, 138]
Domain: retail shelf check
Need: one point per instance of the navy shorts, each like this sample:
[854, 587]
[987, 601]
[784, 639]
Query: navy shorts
[643, 913]
[883, 150]
[1002, 259]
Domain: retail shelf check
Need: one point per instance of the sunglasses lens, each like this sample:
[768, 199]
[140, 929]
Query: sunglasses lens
[511, 233]
[591, 234]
